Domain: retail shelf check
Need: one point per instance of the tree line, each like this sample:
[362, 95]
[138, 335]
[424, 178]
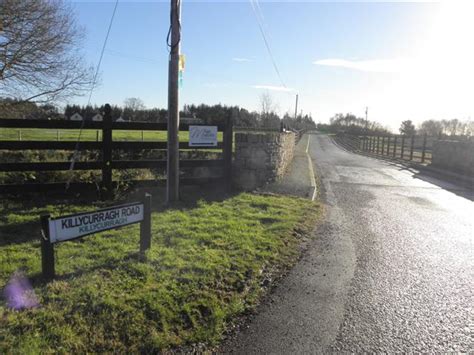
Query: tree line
[350, 123]
[134, 110]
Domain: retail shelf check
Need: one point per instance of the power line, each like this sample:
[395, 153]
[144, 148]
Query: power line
[94, 81]
[170, 45]
[102, 52]
[255, 4]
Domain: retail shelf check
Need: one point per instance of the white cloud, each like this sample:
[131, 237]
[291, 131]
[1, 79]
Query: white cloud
[273, 88]
[241, 60]
[378, 65]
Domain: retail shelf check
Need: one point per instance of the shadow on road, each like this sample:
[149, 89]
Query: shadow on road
[460, 188]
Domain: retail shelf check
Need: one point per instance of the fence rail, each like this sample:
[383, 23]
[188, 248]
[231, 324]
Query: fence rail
[414, 148]
[106, 146]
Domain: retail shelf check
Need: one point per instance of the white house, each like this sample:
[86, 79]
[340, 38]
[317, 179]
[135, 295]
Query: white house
[76, 117]
[120, 119]
[97, 117]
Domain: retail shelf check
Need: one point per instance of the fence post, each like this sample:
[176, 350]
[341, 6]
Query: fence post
[145, 225]
[383, 144]
[373, 144]
[47, 250]
[19, 134]
[412, 146]
[394, 146]
[107, 151]
[378, 144]
[227, 152]
[402, 153]
[388, 145]
[424, 149]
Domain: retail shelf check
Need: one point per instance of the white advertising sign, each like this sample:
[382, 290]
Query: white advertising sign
[202, 136]
[78, 225]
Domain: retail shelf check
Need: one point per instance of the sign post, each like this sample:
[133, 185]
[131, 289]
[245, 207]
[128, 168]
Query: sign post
[79, 225]
[47, 249]
[145, 226]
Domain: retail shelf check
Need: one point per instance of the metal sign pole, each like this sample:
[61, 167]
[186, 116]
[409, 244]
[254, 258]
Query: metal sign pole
[47, 250]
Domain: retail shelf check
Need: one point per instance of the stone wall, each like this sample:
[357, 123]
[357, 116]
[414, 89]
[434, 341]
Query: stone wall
[261, 157]
[454, 156]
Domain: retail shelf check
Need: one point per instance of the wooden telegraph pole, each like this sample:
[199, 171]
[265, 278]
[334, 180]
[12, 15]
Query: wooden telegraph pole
[172, 182]
[296, 106]
[366, 118]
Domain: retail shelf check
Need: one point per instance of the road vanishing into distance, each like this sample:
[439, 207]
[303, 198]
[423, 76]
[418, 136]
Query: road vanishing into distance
[389, 270]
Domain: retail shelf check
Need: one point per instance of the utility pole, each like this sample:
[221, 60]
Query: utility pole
[366, 118]
[172, 181]
[296, 107]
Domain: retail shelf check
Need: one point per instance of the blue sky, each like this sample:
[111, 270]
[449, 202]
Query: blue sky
[339, 57]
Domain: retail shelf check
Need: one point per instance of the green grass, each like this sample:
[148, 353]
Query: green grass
[86, 135]
[205, 267]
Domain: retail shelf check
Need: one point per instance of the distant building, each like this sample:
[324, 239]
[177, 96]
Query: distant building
[120, 119]
[97, 117]
[76, 117]
[191, 120]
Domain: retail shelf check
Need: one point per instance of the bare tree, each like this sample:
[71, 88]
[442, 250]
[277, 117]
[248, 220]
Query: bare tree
[39, 57]
[268, 116]
[267, 105]
[134, 103]
[132, 106]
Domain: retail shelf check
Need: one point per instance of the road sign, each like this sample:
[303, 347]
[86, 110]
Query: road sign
[202, 136]
[79, 225]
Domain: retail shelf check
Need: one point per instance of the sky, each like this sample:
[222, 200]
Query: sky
[402, 60]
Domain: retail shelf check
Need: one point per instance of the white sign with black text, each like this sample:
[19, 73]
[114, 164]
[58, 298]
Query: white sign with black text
[203, 136]
[79, 225]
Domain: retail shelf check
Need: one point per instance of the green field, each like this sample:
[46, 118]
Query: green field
[206, 266]
[9, 134]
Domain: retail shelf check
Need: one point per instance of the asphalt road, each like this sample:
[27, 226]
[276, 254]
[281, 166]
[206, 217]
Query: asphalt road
[390, 270]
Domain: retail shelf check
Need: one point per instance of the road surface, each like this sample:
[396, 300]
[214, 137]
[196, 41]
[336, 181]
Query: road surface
[390, 270]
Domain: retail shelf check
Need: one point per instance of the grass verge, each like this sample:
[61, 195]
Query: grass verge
[206, 266]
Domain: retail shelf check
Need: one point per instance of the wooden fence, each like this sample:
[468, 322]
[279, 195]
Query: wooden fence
[106, 145]
[415, 148]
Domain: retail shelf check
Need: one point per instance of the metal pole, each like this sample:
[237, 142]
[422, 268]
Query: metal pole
[145, 226]
[172, 182]
[47, 250]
